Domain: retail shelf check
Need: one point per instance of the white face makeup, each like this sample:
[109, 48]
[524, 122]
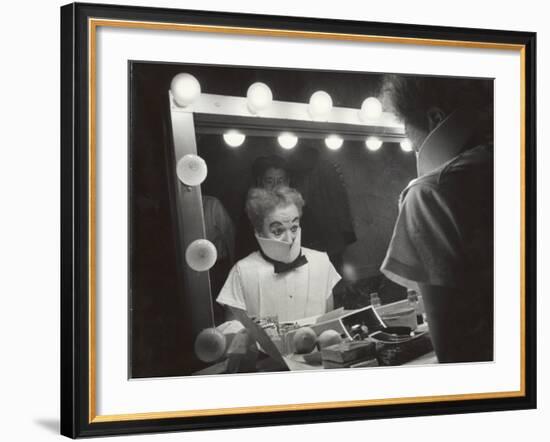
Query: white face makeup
[282, 224]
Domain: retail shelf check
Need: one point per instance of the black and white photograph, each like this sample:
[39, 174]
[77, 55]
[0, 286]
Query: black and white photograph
[292, 219]
[273, 220]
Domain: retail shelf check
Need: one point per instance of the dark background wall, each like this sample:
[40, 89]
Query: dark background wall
[160, 341]
[373, 181]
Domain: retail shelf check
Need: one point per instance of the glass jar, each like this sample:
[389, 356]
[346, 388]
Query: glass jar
[414, 302]
[375, 300]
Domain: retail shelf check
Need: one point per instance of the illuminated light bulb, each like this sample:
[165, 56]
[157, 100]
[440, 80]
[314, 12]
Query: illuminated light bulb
[320, 105]
[201, 255]
[334, 142]
[234, 138]
[191, 170]
[210, 345]
[258, 97]
[373, 143]
[287, 140]
[185, 89]
[371, 109]
[406, 145]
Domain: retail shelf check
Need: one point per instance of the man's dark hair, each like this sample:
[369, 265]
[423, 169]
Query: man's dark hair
[411, 97]
[262, 164]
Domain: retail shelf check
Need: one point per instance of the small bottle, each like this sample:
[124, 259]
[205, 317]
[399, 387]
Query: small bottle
[422, 308]
[375, 300]
[412, 298]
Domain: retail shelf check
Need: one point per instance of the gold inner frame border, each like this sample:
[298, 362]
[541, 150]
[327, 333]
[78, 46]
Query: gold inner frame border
[93, 24]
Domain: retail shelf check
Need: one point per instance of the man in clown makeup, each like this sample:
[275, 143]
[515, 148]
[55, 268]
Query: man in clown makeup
[281, 279]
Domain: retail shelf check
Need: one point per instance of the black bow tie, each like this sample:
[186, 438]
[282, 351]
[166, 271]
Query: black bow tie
[282, 267]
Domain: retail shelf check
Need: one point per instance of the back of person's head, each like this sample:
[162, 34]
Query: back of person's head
[410, 97]
[261, 202]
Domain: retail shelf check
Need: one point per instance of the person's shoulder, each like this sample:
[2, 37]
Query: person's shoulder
[420, 187]
[308, 251]
[471, 159]
[314, 254]
[209, 201]
[471, 171]
[253, 259]
[480, 155]
[246, 265]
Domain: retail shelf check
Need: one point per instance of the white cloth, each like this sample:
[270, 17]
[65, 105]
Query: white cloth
[252, 285]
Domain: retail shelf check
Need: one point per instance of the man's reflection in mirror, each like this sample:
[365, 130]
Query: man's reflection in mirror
[220, 231]
[280, 278]
[327, 219]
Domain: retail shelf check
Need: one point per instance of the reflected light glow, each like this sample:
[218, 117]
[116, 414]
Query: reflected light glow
[234, 138]
[287, 140]
[373, 143]
[334, 142]
[406, 145]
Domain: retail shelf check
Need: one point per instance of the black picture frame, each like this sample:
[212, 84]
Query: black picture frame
[78, 417]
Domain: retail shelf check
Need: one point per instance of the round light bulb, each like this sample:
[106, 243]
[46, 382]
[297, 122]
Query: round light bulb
[320, 105]
[234, 138]
[201, 255]
[258, 97]
[191, 170]
[371, 109]
[334, 142]
[210, 345]
[287, 140]
[185, 89]
[406, 145]
[373, 143]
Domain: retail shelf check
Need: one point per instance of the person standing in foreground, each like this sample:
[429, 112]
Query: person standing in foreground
[442, 243]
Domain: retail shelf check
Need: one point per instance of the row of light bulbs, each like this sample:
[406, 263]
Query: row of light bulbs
[186, 89]
[288, 141]
[192, 170]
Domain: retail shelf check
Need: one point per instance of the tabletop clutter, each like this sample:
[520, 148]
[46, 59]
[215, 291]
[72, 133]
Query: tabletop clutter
[375, 335]
[371, 336]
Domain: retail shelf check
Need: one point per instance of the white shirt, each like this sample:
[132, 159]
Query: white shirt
[253, 285]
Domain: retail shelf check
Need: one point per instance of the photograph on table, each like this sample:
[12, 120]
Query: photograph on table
[287, 219]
